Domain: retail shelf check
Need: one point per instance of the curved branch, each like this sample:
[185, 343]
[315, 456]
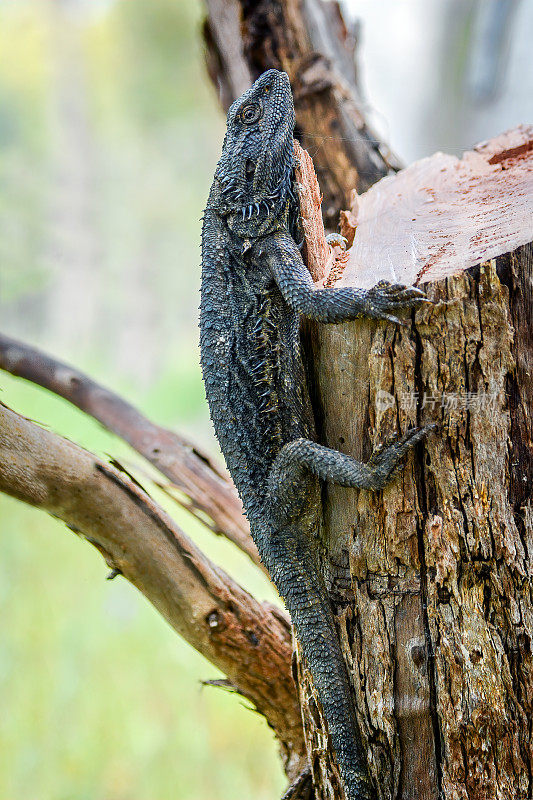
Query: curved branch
[210, 490]
[249, 641]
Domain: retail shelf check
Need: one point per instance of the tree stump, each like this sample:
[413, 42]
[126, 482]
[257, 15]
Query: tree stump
[437, 627]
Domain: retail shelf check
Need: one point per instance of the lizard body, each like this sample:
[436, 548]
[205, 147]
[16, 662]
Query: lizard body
[255, 287]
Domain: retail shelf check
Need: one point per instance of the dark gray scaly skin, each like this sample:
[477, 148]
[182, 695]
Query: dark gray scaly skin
[255, 286]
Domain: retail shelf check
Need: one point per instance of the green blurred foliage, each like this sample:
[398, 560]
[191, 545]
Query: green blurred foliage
[22, 144]
[113, 135]
[108, 139]
[100, 699]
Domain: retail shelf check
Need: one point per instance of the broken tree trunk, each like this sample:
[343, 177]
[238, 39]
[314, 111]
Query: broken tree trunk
[437, 630]
[316, 46]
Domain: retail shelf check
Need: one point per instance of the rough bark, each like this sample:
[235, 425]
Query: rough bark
[249, 641]
[311, 41]
[437, 631]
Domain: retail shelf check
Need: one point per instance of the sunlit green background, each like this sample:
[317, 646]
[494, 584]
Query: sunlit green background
[109, 133]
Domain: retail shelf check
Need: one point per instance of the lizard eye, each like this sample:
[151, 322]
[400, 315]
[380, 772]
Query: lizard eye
[250, 113]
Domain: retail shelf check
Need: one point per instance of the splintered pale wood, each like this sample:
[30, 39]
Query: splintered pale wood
[324, 262]
[442, 214]
[315, 251]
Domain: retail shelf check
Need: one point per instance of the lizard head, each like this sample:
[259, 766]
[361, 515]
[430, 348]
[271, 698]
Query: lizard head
[255, 169]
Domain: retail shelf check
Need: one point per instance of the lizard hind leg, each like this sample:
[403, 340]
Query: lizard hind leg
[303, 455]
[290, 552]
[291, 557]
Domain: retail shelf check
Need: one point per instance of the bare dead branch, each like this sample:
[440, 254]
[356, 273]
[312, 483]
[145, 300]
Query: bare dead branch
[245, 639]
[207, 486]
[301, 788]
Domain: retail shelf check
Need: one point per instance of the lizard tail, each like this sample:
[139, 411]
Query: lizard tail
[294, 568]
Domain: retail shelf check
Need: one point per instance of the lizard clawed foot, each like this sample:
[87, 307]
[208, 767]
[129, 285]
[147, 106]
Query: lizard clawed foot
[385, 462]
[385, 299]
[336, 240]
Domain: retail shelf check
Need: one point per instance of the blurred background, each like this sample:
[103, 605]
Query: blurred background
[109, 135]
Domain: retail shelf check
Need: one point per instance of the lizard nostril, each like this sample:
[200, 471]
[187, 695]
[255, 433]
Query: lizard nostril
[249, 169]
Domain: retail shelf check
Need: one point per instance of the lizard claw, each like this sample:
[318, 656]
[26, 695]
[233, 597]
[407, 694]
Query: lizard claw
[412, 437]
[336, 240]
[384, 299]
[385, 462]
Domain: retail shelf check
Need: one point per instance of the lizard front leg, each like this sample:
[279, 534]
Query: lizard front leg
[281, 256]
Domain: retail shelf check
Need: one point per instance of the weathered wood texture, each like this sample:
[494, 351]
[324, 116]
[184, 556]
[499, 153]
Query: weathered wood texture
[248, 640]
[311, 41]
[438, 639]
[323, 262]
